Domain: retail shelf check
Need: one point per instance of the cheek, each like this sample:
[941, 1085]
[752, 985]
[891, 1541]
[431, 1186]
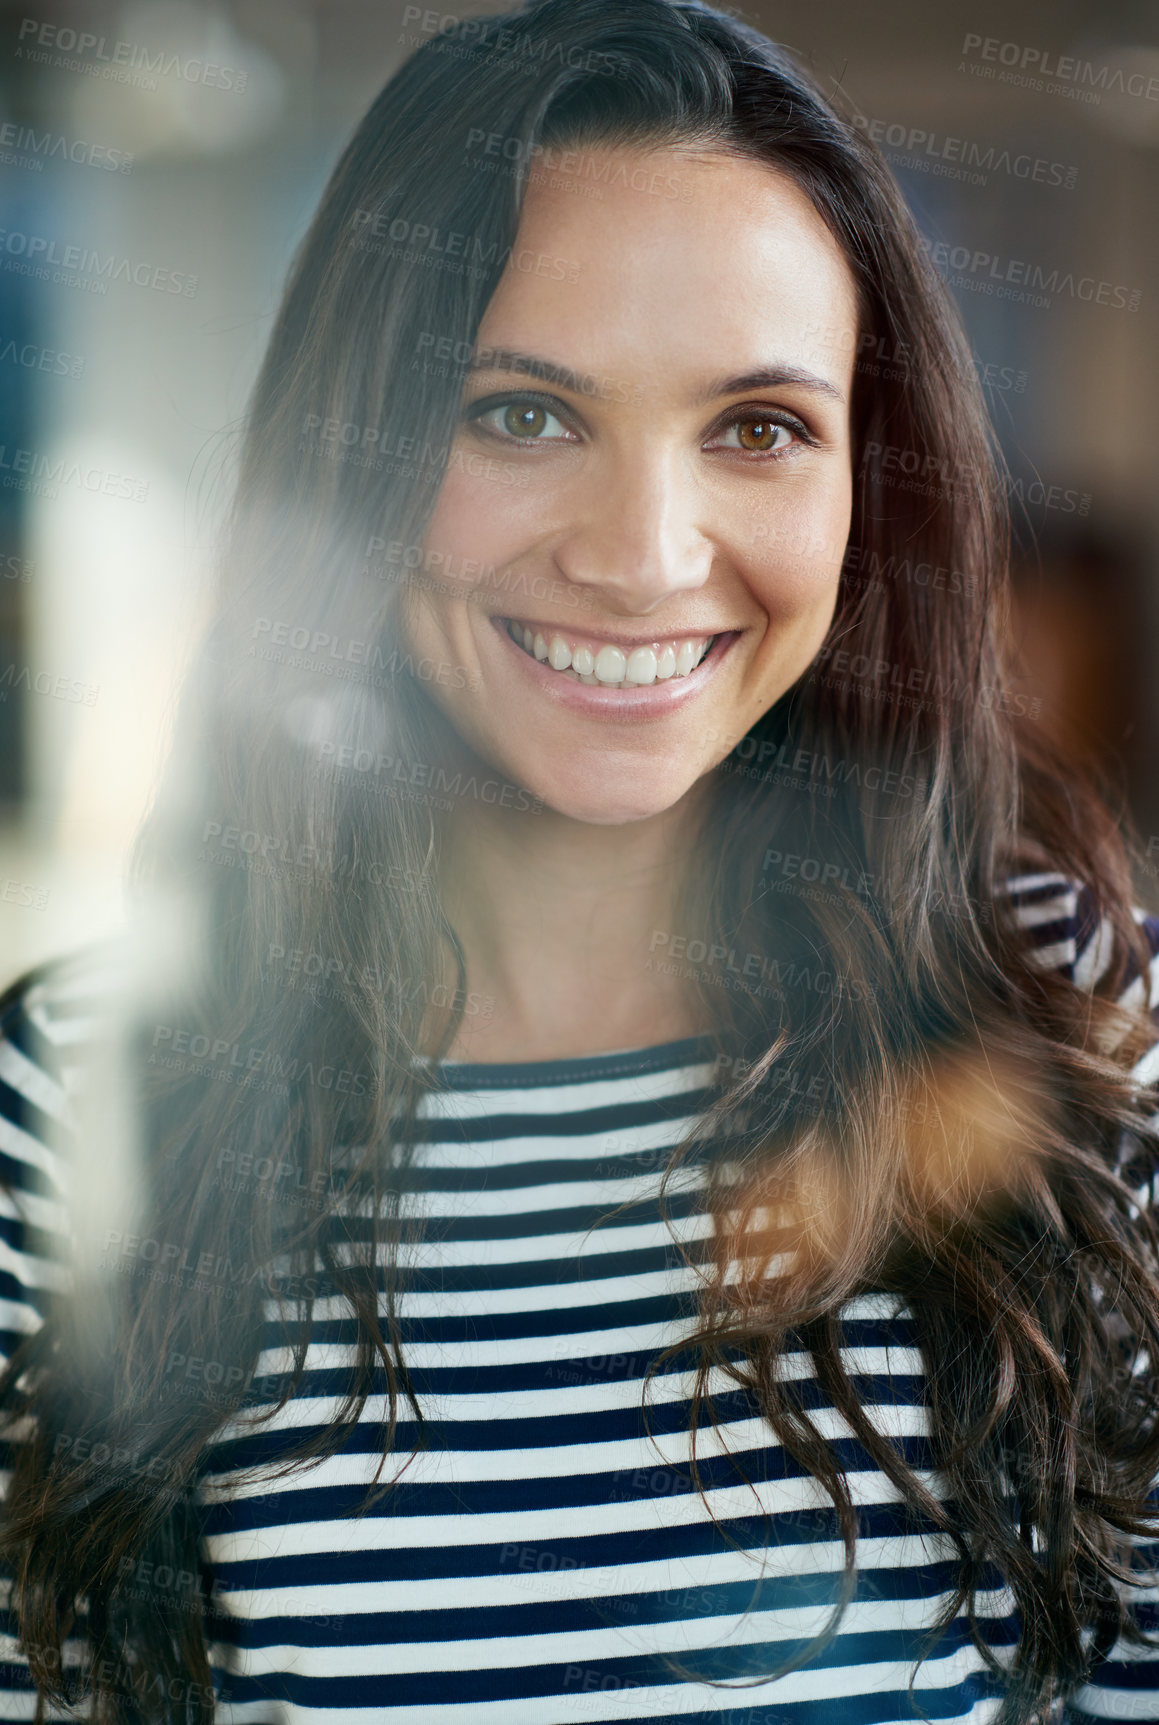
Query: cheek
[449, 537]
[485, 510]
[467, 542]
[795, 553]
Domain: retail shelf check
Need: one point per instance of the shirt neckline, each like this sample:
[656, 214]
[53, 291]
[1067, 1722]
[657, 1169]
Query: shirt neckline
[583, 1068]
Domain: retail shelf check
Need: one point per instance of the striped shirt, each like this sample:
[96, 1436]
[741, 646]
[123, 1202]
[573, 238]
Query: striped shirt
[545, 1559]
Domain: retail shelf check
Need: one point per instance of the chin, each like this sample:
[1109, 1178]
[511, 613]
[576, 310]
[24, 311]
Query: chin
[610, 806]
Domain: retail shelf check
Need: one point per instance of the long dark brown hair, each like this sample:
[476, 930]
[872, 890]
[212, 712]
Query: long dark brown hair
[910, 1105]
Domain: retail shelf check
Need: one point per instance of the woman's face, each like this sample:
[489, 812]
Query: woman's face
[651, 456]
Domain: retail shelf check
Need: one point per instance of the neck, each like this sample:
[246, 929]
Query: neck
[556, 918]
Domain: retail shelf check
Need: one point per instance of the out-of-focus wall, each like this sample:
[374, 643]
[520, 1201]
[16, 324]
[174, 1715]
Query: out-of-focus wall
[159, 161]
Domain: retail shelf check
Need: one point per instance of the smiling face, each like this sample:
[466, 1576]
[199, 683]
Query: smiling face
[652, 458]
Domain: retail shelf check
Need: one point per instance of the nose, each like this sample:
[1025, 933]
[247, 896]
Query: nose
[634, 539]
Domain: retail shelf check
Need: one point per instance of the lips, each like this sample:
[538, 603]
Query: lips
[611, 664]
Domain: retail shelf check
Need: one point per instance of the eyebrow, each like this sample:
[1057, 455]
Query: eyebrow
[771, 377]
[763, 377]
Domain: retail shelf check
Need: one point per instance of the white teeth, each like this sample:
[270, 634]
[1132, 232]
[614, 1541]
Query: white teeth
[611, 663]
[612, 666]
[641, 666]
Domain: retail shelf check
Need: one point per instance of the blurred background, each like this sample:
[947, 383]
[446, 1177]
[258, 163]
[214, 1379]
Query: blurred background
[159, 161]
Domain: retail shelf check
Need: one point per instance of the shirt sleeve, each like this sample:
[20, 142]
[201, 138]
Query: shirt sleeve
[1125, 1686]
[35, 1122]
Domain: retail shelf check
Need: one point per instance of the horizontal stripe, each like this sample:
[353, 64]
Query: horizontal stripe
[886, 1566]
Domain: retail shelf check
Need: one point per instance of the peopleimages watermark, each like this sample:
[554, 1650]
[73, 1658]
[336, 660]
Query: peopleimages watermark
[914, 686]
[1024, 282]
[15, 568]
[369, 446]
[585, 171]
[204, 1272]
[163, 1586]
[22, 893]
[452, 357]
[815, 1089]
[594, 1680]
[30, 470]
[426, 775]
[862, 567]
[46, 259]
[650, 1482]
[143, 1686]
[536, 1559]
[326, 654]
[436, 571]
[931, 475]
[519, 53]
[25, 147]
[232, 846]
[1040, 69]
[790, 865]
[891, 357]
[752, 973]
[249, 1171]
[115, 1462]
[217, 1057]
[32, 357]
[83, 51]
[61, 688]
[816, 878]
[962, 158]
[160, 1584]
[455, 250]
[775, 763]
[193, 1374]
[331, 977]
[523, 1564]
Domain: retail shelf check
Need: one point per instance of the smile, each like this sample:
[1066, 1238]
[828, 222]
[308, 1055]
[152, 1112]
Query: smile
[627, 666]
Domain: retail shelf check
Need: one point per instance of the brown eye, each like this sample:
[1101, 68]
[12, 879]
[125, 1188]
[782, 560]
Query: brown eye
[524, 419]
[758, 434]
[520, 418]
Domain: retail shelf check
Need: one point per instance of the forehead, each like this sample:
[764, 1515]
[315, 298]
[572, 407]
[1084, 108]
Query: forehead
[656, 261]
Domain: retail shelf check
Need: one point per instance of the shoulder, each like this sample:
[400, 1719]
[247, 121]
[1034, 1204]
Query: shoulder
[1067, 932]
[47, 1019]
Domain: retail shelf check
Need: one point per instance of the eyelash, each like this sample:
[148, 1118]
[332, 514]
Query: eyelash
[746, 416]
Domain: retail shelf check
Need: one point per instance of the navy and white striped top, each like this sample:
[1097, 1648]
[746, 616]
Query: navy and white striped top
[545, 1559]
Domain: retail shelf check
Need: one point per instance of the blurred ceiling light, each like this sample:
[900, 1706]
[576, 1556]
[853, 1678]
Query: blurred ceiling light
[213, 91]
[126, 629]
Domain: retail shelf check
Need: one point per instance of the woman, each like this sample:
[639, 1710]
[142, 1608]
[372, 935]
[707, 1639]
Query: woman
[645, 1157]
